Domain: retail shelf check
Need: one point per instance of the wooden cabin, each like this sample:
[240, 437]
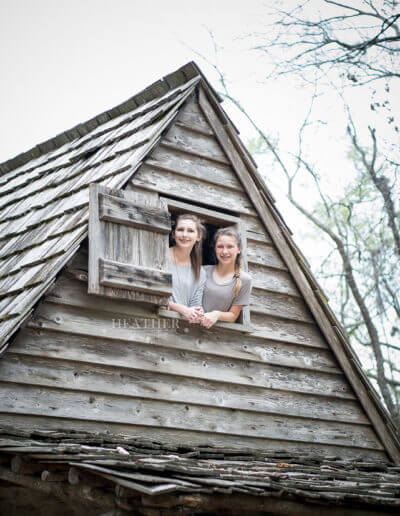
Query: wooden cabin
[88, 344]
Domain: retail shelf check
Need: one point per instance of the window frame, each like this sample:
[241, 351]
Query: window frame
[214, 217]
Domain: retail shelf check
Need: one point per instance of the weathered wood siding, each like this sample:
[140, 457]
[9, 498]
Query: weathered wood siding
[84, 362]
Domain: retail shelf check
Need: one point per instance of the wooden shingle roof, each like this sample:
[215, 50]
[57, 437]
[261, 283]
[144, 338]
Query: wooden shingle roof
[44, 192]
[197, 479]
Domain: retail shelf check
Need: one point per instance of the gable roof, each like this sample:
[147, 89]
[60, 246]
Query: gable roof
[44, 210]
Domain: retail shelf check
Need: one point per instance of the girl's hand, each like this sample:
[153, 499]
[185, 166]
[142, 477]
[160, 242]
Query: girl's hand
[197, 315]
[193, 314]
[210, 318]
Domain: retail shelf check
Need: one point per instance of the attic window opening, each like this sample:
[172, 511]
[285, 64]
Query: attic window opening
[212, 220]
[208, 257]
[128, 246]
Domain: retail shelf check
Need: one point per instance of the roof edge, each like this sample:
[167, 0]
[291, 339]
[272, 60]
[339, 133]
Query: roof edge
[159, 88]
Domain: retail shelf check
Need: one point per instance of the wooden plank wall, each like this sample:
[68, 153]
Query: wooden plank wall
[89, 363]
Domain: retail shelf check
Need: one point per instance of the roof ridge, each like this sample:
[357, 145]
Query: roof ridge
[159, 88]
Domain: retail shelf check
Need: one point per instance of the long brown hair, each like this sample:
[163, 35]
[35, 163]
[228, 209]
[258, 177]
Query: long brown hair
[196, 254]
[232, 232]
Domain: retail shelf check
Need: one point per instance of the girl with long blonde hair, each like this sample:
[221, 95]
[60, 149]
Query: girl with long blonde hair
[227, 288]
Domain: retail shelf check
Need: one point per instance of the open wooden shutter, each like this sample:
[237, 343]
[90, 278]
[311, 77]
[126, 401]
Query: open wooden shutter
[128, 245]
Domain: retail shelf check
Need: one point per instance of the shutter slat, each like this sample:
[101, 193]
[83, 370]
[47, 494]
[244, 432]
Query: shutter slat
[133, 277]
[122, 211]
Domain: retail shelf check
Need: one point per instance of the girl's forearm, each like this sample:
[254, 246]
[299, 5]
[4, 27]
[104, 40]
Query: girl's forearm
[176, 307]
[226, 316]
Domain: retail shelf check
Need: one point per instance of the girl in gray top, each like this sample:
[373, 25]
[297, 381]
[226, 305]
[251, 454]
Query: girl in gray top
[185, 259]
[227, 288]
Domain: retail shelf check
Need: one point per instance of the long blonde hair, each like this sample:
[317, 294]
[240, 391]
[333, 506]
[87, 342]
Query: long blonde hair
[232, 232]
[196, 254]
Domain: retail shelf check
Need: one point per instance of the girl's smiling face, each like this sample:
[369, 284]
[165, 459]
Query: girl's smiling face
[186, 234]
[227, 249]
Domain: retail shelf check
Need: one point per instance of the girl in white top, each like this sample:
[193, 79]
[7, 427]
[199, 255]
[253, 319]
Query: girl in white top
[227, 288]
[185, 259]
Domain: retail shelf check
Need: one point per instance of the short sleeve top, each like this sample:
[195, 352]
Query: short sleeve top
[220, 296]
[185, 289]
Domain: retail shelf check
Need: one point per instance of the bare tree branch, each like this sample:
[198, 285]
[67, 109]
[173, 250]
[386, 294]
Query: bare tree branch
[362, 40]
[380, 182]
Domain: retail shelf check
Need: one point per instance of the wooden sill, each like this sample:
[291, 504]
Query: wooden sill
[244, 328]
